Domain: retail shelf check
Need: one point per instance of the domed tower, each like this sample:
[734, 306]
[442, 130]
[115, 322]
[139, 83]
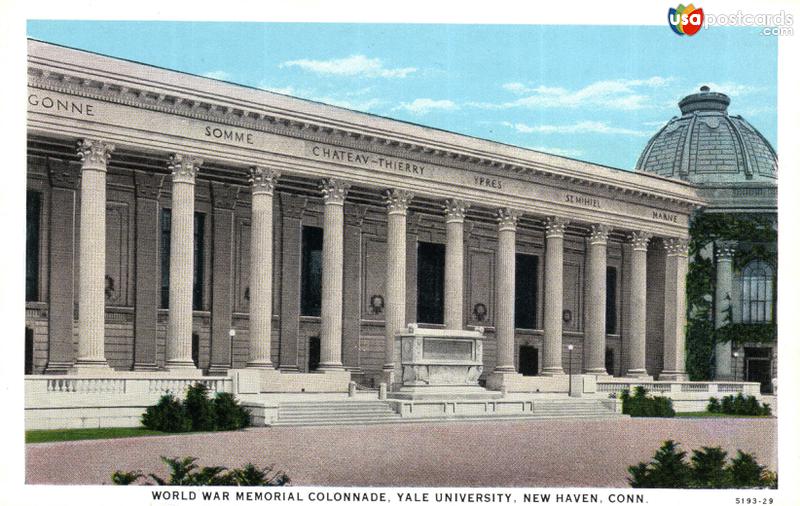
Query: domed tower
[731, 332]
[733, 165]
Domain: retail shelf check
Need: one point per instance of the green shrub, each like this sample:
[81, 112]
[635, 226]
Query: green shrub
[741, 405]
[199, 408]
[640, 405]
[196, 413]
[707, 468]
[184, 471]
[168, 415]
[229, 414]
[713, 405]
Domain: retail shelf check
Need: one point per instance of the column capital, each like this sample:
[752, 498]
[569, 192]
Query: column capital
[263, 179]
[454, 210]
[334, 191]
[639, 240]
[598, 234]
[555, 226]
[224, 195]
[184, 167]
[354, 214]
[147, 185]
[507, 218]
[724, 250]
[676, 246]
[94, 154]
[397, 201]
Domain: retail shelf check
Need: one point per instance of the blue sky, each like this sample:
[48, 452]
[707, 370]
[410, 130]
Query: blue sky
[595, 93]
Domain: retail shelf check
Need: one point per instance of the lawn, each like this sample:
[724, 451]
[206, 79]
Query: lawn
[707, 414]
[46, 436]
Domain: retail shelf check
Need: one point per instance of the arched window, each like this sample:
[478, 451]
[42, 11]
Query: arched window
[757, 292]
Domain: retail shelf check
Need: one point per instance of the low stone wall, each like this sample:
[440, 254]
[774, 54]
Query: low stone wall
[685, 395]
[60, 402]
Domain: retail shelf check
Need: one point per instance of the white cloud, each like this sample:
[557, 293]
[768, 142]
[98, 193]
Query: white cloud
[580, 127]
[621, 94]
[421, 106]
[218, 74]
[729, 88]
[355, 65]
[558, 151]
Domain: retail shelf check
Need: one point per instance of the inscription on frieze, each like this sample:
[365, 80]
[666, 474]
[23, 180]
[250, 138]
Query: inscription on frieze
[60, 104]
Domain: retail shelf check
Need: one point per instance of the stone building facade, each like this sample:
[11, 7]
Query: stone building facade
[735, 170]
[177, 223]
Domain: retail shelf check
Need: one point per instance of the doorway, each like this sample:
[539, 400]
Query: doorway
[758, 367]
[313, 353]
[528, 360]
[28, 350]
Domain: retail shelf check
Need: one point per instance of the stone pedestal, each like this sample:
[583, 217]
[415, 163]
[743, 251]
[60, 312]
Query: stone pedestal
[439, 363]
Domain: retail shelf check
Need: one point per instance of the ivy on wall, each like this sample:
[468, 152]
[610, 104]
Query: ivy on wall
[756, 237]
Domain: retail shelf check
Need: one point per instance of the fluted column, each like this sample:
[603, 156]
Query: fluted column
[722, 305]
[334, 192]
[181, 261]
[553, 294]
[637, 305]
[677, 265]
[454, 264]
[595, 328]
[263, 181]
[397, 202]
[505, 288]
[92, 250]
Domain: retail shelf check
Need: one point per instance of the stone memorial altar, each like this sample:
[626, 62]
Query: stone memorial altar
[434, 362]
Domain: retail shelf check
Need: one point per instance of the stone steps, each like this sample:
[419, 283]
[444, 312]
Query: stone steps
[341, 412]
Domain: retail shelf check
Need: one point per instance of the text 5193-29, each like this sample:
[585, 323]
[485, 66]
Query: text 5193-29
[754, 500]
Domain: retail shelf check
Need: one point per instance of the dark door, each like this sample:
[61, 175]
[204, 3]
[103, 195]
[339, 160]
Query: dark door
[313, 353]
[610, 361]
[28, 350]
[430, 282]
[196, 349]
[758, 367]
[528, 361]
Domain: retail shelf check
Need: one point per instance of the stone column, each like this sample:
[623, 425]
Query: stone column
[334, 192]
[637, 304]
[147, 262]
[454, 264]
[595, 327]
[397, 202]
[92, 250]
[181, 262]
[554, 228]
[504, 289]
[722, 305]
[223, 197]
[263, 181]
[677, 265]
[64, 179]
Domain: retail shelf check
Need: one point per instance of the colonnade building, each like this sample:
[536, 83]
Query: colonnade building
[177, 223]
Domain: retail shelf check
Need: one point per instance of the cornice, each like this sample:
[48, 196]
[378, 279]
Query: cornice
[279, 123]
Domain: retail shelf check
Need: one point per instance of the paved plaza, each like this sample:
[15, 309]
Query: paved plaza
[492, 454]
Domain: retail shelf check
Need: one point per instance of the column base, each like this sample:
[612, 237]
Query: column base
[673, 376]
[553, 371]
[639, 374]
[183, 368]
[500, 378]
[91, 368]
